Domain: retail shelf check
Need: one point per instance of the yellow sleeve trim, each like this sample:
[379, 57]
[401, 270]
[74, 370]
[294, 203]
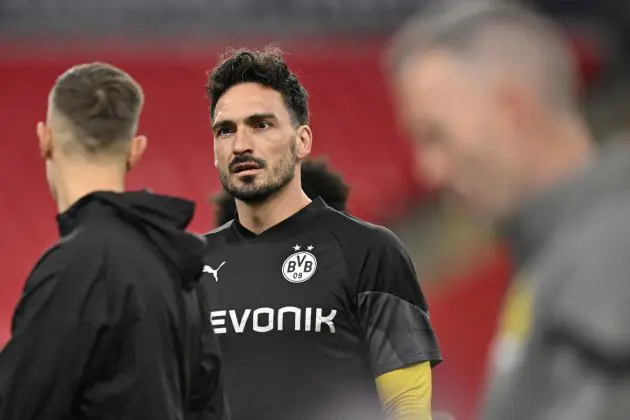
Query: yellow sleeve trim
[406, 393]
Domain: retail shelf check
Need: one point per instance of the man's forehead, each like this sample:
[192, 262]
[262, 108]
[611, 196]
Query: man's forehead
[434, 81]
[244, 100]
[431, 72]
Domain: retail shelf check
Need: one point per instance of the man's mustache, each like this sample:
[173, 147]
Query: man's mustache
[239, 160]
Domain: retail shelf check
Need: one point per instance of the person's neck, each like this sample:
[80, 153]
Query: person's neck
[80, 179]
[282, 205]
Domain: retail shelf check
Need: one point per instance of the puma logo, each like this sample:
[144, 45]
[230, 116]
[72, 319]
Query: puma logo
[210, 270]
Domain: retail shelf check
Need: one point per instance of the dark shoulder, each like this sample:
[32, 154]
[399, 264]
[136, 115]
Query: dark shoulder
[98, 241]
[585, 284]
[602, 232]
[221, 232]
[110, 235]
[80, 250]
[592, 247]
[358, 234]
[107, 240]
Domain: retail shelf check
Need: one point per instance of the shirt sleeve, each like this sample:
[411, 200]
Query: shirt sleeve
[56, 326]
[406, 392]
[391, 307]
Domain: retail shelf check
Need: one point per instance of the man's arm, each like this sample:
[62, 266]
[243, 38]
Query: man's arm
[395, 318]
[57, 323]
[406, 392]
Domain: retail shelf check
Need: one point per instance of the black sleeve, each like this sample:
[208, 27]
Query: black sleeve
[56, 325]
[392, 308]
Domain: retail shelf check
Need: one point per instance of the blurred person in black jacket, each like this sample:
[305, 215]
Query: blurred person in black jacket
[318, 180]
[110, 323]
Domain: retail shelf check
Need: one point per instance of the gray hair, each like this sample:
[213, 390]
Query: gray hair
[500, 35]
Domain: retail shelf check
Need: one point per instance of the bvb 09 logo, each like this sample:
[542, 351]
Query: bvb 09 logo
[299, 266]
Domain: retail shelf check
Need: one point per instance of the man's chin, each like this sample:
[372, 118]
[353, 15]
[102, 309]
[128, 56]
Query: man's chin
[255, 192]
[252, 199]
[247, 180]
[250, 194]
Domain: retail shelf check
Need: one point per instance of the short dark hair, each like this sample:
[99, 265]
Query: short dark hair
[101, 102]
[266, 68]
[318, 180]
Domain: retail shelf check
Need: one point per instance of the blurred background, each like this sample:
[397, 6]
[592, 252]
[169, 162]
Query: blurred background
[335, 47]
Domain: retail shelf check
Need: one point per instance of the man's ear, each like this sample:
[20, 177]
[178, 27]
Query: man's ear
[45, 140]
[304, 141]
[519, 105]
[138, 147]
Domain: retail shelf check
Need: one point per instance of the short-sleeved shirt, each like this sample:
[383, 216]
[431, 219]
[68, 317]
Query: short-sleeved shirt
[309, 312]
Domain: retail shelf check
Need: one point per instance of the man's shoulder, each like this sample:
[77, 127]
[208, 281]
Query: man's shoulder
[358, 233]
[116, 238]
[584, 247]
[106, 242]
[81, 248]
[595, 232]
[585, 285]
[219, 232]
[86, 239]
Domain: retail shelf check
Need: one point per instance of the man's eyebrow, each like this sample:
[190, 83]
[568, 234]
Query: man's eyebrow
[262, 116]
[251, 118]
[221, 123]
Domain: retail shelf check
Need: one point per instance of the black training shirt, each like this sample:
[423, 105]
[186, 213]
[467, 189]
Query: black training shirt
[309, 312]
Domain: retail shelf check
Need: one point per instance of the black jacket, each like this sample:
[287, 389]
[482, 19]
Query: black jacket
[111, 324]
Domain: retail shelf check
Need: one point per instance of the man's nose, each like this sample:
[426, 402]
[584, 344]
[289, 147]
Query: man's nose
[242, 142]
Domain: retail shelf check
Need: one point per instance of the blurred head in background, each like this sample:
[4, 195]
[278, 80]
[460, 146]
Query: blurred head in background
[488, 91]
[89, 138]
[259, 115]
[318, 180]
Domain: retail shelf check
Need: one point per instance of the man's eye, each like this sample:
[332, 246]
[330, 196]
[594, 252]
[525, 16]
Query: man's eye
[223, 131]
[263, 124]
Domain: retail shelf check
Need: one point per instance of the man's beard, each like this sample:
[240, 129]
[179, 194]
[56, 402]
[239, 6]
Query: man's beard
[257, 189]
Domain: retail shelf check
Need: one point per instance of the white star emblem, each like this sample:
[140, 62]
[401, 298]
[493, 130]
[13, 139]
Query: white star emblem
[296, 248]
[310, 247]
